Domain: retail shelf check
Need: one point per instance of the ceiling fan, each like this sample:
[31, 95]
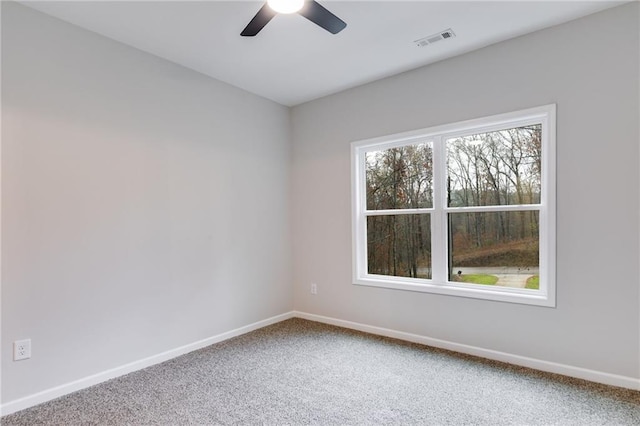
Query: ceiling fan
[310, 9]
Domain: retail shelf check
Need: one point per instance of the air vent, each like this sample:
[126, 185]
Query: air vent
[442, 35]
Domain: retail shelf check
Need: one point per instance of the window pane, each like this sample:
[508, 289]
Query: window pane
[495, 168]
[497, 248]
[399, 245]
[400, 178]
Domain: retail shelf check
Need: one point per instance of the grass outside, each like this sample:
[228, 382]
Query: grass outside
[479, 279]
[533, 283]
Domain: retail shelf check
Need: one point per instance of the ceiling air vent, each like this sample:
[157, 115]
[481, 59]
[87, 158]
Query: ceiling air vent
[442, 35]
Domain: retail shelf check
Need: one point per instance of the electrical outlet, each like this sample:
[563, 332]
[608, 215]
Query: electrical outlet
[314, 288]
[21, 349]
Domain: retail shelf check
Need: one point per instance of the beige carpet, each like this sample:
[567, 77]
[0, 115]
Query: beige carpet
[300, 372]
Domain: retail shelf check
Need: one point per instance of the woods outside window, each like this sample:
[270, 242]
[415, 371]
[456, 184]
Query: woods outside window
[464, 209]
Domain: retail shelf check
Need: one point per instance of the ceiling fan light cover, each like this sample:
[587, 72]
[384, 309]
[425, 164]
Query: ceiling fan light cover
[285, 6]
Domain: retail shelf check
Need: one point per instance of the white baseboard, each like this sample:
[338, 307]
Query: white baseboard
[67, 388]
[537, 364]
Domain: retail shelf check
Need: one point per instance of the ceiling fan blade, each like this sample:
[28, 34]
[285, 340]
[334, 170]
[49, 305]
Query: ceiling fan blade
[317, 14]
[262, 18]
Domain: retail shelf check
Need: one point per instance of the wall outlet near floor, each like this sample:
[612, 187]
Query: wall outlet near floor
[21, 349]
[314, 288]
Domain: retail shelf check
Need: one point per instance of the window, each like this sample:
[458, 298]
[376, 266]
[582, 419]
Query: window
[464, 209]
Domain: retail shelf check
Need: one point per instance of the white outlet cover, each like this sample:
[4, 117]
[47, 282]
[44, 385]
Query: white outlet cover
[21, 349]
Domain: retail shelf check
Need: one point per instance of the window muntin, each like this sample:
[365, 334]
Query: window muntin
[487, 189]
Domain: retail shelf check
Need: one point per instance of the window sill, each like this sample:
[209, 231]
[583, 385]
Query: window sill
[474, 291]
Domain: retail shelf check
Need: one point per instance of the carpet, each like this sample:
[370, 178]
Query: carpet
[299, 372]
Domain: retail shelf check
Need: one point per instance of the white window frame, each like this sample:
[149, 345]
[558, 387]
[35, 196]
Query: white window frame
[439, 283]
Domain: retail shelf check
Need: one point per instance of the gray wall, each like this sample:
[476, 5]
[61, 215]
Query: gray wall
[589, 67]
[144, 206]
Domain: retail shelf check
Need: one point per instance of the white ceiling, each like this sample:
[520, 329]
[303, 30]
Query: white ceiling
[292, 60]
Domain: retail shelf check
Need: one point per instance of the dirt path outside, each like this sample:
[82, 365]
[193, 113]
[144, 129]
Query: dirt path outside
[508, 276]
